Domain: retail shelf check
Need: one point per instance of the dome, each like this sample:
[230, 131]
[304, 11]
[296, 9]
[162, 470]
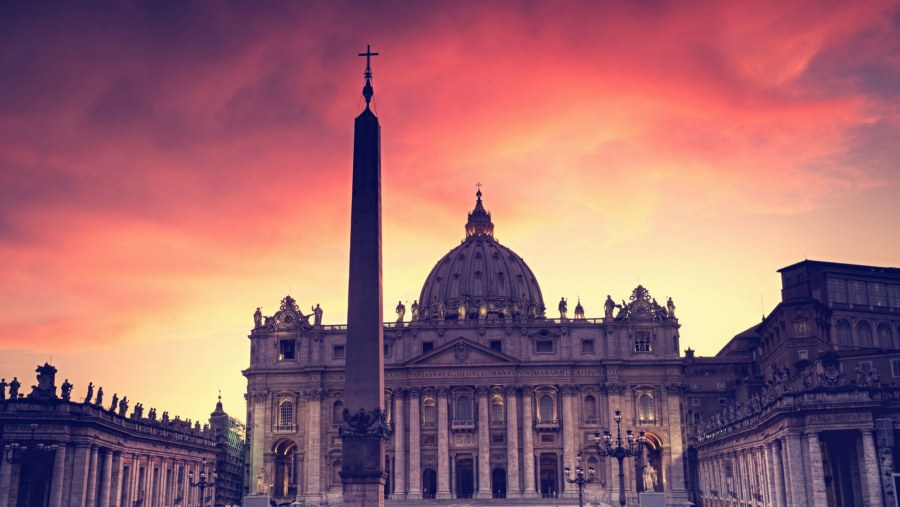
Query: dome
[480, 279]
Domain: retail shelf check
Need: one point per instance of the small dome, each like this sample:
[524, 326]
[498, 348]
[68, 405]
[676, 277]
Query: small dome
[481, 279]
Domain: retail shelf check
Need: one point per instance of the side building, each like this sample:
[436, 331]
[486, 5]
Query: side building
[803, 408]
[488, 397]
[59, 452]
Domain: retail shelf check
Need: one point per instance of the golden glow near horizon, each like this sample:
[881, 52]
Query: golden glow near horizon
[154, 197]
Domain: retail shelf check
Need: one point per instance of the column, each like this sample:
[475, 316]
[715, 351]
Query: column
[399, 447]
[569, 444]
[415, 465]
[80, 475]
[778, 486]
[59, 470]
[115, 484]
[796, 470]
[90, 497]
[484, 444]
[675, 479]
[816, 491]
[313, 490]
[5, 482]
[528, 471]
[869, 470]
[443, 483]
[105, 478]
[512, 443]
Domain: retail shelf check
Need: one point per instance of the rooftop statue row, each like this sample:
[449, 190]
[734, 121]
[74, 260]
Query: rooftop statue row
[45, 390]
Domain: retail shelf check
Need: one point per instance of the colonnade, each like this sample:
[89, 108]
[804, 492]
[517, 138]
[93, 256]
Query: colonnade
[785, 471]
[85, 475]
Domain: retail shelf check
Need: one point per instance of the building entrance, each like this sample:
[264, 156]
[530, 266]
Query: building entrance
[465, 477]
[548, 473]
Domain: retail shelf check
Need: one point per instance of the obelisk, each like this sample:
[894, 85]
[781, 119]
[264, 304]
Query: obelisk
[364, 429]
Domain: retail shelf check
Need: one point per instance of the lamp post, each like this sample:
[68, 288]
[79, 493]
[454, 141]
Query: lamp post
[202, 483]
[14, 452]
[580, 478]
[619, 448]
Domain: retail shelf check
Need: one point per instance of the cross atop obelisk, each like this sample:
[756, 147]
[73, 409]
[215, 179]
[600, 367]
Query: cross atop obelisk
[368, 91]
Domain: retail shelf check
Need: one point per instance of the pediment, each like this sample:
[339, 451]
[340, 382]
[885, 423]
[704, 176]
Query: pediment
[462, 351]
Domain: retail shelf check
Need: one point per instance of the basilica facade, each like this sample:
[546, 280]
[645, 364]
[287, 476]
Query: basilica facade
[487, 395]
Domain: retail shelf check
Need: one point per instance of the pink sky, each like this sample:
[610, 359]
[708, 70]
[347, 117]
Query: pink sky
[167, 168]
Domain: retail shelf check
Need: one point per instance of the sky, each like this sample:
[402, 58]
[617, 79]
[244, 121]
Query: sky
[167, 167]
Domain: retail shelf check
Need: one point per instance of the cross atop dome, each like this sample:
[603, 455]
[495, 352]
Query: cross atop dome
[479, 223]
[368, 91]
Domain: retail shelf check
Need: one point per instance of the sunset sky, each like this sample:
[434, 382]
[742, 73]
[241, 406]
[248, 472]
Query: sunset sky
[167, 167]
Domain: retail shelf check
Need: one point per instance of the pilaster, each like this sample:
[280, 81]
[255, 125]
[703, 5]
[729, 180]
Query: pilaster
[528, 468]
[443, 483]
[59, 472]
[512, 443]
[484, 445]
[399, 445]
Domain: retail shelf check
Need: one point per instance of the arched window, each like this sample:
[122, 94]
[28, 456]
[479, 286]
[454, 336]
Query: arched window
[590, 409]
[429, 411]
[885, 340]
[842, 330]
[463, 409]
[864, 333]
[285, 415]
[545, 408]
[645, 408]
[497, 408]
[337, 412]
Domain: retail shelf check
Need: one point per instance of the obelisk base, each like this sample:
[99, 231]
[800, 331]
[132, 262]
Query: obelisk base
[363, 489]
[256, 501]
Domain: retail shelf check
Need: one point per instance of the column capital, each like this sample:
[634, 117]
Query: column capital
[482, 390]
[415, 391]
[443, 391]
[510, 390]
[569, 388]
[526, 389]
[315, 395]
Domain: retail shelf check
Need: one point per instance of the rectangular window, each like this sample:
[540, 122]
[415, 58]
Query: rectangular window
[837, 290]
[339, 352]
[857, 290]
[387, 350]
[543, 347]
[895, 367]
[894, 296]
[642, 341]
[587, 346]
[496, 345]
[722, 402]
[878, 294]
[427, 347]
[286, 350]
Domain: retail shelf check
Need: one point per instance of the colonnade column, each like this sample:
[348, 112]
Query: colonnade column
[59, 470]
[415, 466]
[816, 491]
[399, 447]
[80, 474]
[484, 444]
[5, 482]
[569, 445]
[443, 485]
[512, 443]
[91, 497]
[105, 479]
[778, 472]
[869, 470]
[528, 441]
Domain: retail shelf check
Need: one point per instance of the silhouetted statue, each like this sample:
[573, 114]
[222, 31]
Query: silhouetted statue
[563, 308]
[14, 388]
[165, 417]
[608, 307]
[123, 406]
[442, 311]
[670, 307]
[152, 415]
[401, 311]
[66, 390]
[138, 411]
[3, 385]
[317, 315]
[99, 398]
[46, 388]
[579, 311]
[90, 392]
[415, 309]
[115, 403]
[257, 318]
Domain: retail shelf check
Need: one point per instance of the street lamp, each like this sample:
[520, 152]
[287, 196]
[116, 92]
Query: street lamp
[14, 452]
[202, 483]
[619, 449]
[580, 479]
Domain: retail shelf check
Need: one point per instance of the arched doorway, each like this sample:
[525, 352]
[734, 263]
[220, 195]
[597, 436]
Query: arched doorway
[549, 469]
[465, 476]
[285, 476]
[498, 483]
[652, 457]
[429, 483]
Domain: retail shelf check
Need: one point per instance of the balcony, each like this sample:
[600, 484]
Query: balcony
[462, 425]
[285, 428]
[546, 425]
